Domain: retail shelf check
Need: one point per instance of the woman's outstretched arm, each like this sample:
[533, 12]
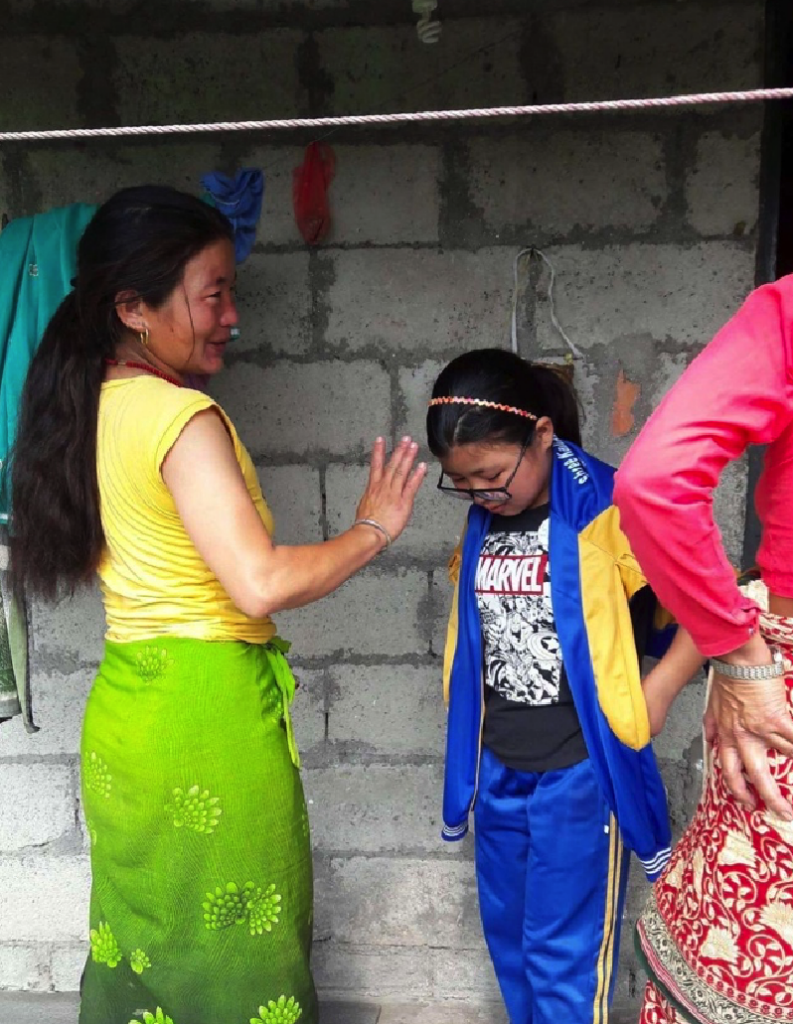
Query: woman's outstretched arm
[202, 473]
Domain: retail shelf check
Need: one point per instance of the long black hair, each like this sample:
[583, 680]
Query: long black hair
[495, 375]
[138, 242]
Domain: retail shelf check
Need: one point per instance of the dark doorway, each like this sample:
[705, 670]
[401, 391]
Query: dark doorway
[784, 128]
[775, 245]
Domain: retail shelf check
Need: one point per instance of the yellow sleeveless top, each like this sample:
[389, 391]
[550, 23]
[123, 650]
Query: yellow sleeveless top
[153, 580]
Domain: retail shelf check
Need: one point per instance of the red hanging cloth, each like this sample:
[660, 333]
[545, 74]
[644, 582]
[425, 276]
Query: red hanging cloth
[310, 183]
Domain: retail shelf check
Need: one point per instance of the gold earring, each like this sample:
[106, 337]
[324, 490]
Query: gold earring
[144, 337]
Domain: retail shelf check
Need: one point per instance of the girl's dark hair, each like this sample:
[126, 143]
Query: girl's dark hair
[139, 242]
[495, 375]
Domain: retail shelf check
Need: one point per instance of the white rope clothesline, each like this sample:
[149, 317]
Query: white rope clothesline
[479, 113]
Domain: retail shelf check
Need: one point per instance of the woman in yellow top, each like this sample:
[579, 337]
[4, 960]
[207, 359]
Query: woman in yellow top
[201, 905]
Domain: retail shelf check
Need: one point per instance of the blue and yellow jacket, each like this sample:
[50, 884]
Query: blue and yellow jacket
[594, 577]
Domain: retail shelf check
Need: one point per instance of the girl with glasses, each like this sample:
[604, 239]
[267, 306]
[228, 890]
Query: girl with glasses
[549, 724]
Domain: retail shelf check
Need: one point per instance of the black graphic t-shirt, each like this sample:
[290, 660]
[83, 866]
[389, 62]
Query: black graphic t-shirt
[531, 722]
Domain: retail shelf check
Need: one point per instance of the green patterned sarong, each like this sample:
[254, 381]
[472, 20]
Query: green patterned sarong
[201, 905]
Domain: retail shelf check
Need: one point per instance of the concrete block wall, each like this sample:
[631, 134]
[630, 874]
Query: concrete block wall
[651, 224]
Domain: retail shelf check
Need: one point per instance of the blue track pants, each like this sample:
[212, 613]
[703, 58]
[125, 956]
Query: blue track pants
[552, 873]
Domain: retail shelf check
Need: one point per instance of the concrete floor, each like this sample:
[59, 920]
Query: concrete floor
[35, 1008]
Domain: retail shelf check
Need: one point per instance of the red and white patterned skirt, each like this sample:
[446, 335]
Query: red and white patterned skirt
[717, 931]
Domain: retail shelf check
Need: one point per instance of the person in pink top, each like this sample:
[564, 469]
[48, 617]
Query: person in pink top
[716, 936]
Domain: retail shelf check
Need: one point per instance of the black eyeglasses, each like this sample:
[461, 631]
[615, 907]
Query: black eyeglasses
[499, 494]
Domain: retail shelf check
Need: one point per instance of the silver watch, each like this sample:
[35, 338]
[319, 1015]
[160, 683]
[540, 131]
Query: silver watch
[752, 673]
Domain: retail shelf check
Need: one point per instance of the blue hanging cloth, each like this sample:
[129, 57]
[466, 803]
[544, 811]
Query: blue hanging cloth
[240, 198]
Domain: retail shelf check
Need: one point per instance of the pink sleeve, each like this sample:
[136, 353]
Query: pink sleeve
[734, 394]
[774, 500]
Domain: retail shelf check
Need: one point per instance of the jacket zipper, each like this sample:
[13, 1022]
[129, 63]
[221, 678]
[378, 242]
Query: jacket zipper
[481, 733]
[481, 706]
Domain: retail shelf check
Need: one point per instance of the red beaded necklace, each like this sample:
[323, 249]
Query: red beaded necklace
[146, 369]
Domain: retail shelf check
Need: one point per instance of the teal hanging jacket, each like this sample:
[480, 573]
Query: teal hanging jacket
[38, 259]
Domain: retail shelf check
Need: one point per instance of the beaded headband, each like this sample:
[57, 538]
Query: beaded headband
[456, 400]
